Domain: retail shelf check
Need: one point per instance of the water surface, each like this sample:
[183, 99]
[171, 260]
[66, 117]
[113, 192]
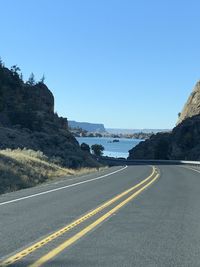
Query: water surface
[116, 149]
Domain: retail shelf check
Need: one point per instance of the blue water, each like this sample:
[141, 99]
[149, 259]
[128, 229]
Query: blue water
[117, 150]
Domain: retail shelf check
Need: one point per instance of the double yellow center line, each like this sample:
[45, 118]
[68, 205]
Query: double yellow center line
[20, 255]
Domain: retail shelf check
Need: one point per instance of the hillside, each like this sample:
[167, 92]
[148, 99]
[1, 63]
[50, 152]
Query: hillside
[26, 168]
[89, 127]
[28, 120]
[192, 106]
[133, 131]
[183, 143]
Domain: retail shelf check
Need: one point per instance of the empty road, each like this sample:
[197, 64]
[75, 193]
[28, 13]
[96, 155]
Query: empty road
[122, 216]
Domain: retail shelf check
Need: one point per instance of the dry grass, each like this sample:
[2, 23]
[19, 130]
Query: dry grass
[22, 168]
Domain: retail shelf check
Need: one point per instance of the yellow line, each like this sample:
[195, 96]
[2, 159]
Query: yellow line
[87, 229]
[21, 254]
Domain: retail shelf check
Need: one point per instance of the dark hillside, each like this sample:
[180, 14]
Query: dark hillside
[27, 119]
[183, 143]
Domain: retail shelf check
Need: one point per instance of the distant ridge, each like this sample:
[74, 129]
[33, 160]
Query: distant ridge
[132, 131]
[90, 127]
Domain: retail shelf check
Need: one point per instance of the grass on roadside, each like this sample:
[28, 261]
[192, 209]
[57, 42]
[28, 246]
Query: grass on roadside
[22, 168]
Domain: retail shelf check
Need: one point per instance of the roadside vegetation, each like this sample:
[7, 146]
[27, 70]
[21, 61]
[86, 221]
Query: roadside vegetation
[97, 150]
[23, 168]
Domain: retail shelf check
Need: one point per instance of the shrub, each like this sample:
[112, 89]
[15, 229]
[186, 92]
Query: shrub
[97, 150]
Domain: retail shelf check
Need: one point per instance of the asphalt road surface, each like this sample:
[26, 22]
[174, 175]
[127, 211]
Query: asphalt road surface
[123, 216]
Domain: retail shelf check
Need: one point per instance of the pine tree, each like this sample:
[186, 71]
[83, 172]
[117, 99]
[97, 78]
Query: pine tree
[1, 63]
[42, 79]
[21, 76]
[15, 69]
[31, 80]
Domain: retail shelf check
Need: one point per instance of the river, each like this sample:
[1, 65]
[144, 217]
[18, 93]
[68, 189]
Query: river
[112, 149]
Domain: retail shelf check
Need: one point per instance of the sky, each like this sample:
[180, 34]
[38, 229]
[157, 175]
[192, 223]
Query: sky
[124, 63]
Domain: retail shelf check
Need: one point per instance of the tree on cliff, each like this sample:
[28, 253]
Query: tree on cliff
[31, 80]
[42, 79]
[15, 70]
[97, 150]
[1, 63]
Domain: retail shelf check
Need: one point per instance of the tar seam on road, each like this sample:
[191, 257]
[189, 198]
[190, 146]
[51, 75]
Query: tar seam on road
[61, 188]
[44, 241]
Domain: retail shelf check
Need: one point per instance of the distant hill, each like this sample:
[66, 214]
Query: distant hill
[132, 131]
[90, 127]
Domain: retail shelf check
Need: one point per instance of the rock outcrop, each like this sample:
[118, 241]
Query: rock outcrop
[27, 119]
[183, 143]
[192, 106]
[89, 127]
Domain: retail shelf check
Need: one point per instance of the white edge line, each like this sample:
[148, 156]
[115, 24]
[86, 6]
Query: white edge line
[60, 188]
[189, 168]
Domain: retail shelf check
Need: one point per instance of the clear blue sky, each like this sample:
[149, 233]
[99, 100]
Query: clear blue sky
[125, 63]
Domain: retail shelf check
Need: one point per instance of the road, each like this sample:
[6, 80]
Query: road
[122, 216]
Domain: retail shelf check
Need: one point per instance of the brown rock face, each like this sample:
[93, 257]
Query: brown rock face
[40, 98]
[30, 106]
[183, 143]
[27, 119]
[192, 106]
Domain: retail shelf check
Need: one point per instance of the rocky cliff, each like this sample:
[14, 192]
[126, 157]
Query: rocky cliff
[27, 119]
[183, 143]
[89, 127]
[192, 106]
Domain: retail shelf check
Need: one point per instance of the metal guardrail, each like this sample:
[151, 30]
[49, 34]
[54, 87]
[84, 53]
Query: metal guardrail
[113, 161]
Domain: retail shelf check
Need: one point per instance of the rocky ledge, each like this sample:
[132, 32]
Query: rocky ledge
[28, 120]
[182, 143]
